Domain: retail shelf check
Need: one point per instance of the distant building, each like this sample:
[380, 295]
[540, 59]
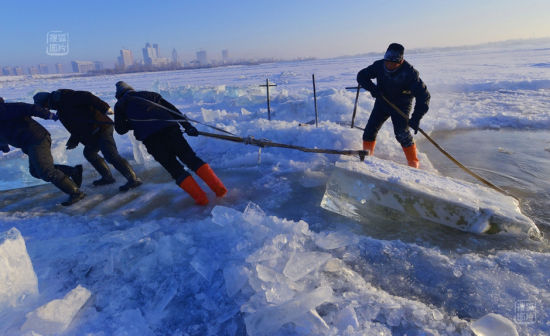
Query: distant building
[59, 68]
[33, 70]
[175, 56]
[98, 66]
[126, 58]
[18, 71]
[151, 56]
[225, 56]
[43, 69]
[201, 58]
[7, 71]
[83, 66]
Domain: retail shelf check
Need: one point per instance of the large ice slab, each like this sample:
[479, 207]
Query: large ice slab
[17, 277]
[380, 188]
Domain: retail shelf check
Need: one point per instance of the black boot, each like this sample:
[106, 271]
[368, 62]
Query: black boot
[103, 169]
[126, 170]
[75, 173]
[69, 187]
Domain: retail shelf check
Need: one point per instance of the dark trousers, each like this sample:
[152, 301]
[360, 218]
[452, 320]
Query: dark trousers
[169, 145]
[104, 141]
[41, 162]
[380, 113]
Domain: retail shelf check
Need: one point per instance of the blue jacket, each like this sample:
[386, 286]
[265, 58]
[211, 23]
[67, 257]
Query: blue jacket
[399, 86]
[135, 109]
[18, 129]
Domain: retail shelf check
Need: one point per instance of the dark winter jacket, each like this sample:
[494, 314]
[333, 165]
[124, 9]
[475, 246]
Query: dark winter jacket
[18, 129]
[399, 86]
[135, 109]
[82, 113]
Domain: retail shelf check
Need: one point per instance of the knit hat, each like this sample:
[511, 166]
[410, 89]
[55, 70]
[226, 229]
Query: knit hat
[1, 100]
[42, 99]
[122, 88]
[394, 53]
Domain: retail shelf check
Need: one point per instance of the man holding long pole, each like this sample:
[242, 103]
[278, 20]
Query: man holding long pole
[399, 82]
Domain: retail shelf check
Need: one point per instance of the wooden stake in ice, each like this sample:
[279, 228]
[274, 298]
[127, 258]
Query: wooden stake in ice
[267, 85]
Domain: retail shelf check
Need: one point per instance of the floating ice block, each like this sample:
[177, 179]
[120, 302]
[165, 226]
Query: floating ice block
[380, 188]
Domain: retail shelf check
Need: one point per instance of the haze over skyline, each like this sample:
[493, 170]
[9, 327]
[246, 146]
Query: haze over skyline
[255, 29]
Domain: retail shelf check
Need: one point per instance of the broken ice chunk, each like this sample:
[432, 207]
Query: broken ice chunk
[55, 316]
[17, 277]
[235, 278]
[494, 325]
[334, 240]
[302, 263]
[268, 320]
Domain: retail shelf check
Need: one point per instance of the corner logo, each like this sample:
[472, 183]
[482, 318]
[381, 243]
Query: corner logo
[57, 43]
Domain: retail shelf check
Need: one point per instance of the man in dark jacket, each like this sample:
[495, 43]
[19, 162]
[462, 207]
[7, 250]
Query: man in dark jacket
[156, 122]
[399, 82]
[85, 117]
[18, 129]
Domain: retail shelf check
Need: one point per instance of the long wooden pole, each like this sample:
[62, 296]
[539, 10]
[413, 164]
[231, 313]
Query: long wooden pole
[267, 143]
[268, 107]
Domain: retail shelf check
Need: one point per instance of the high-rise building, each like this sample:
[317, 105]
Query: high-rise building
[18, 71]
[225, 56]
[98, 66]
[201, 58]
[42, 69]
[126, 58]
[83, 66]
[33, 70]
[59, 68]
[7, 71]
[175, 56]
[151, 56]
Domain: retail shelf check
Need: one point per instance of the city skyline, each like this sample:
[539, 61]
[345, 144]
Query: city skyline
[252, 29]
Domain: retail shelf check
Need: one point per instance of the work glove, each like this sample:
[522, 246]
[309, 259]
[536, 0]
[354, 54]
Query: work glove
[53, 116]
[71, 144]
[189, 129]
[5, 148]
[414, 123]
[374, 92]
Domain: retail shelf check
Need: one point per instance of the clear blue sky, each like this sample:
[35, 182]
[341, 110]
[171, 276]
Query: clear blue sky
[278, 28]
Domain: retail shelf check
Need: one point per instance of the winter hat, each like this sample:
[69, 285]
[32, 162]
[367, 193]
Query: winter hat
[42, 99]
[122, 88]
[394, 53]
[1, 100]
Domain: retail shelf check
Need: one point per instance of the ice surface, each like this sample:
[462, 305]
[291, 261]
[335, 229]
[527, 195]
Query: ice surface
[494, 325]
[157, 264]
[56, 316]
[379, 187]
[17, 277]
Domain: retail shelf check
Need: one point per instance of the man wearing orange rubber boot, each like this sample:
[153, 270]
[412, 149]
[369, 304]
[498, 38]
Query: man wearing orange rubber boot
[399, 82]
[151, 118]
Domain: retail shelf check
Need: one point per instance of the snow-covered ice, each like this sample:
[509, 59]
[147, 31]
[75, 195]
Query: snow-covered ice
[267, 258]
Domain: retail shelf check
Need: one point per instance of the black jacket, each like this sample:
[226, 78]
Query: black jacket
[82, 114]
[399, 86]
[17, 128]
[135, 109]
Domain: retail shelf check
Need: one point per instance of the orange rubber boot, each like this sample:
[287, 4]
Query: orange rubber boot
[207, 175]
[369, 145]
[410, 154]
[193, 189]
